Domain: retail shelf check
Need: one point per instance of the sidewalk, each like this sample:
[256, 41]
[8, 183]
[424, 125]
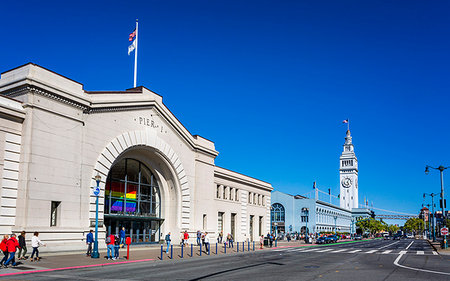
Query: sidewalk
[138, 253]
[437, 247]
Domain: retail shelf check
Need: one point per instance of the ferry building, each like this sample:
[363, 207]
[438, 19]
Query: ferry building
[156, 177]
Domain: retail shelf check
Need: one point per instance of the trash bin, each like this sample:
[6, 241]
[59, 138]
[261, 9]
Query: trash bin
[266, 242]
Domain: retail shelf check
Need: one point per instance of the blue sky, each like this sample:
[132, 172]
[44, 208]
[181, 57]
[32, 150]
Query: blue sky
[270, 81]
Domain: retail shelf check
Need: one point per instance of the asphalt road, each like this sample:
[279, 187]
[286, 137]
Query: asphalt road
[362, 260]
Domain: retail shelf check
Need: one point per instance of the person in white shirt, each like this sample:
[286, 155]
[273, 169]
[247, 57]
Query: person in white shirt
[207, 242]
[35, 243]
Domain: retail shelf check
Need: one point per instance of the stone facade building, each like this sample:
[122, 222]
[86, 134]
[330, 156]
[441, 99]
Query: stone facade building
[156, 177]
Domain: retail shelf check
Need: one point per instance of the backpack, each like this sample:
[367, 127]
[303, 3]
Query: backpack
[117, 240]
[108, 240]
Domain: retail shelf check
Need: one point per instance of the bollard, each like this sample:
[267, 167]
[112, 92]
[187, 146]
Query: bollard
[200, 249]
[237, 247]
[162, 252]
[248, 246]
[225, 248]
[216, 248]
[243, 246]
[253, 245]
[182, 250]
[171, 251]
[192, 249]
[128, 251]
[276, 241]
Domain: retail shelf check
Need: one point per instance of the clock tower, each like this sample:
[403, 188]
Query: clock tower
[348, 172]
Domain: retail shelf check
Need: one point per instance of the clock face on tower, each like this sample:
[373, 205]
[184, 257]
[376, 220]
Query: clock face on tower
[346, 182]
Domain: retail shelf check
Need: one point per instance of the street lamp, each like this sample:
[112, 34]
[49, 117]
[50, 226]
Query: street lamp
[306, 212]
[432, 212]
[335, 218]
[441, 170]
[95, 254]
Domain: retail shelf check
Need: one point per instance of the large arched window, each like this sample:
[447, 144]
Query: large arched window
[277, 212]
[130, 183]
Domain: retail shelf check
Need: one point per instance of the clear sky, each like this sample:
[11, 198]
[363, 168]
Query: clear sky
[270, 81]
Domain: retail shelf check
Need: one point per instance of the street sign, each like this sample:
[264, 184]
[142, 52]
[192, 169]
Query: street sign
[444, 231]
[96, 191]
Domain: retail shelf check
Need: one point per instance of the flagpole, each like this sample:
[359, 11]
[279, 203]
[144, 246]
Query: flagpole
[348, 119]
[135, 56]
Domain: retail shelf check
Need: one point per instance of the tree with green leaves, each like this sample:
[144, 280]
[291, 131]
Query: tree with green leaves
[414, 225]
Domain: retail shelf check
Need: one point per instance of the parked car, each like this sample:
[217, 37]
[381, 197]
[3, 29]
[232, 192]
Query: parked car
[358, 237]
[410, 236]
[321, 240]
[397, 236]
[331, 239]
[387, 237]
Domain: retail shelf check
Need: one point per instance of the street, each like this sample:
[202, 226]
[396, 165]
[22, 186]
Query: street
[357, 260]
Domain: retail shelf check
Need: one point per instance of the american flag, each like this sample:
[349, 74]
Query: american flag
[345, 121]
[132, 35]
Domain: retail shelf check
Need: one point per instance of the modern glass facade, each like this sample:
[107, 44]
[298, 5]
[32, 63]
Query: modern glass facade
[132, 200]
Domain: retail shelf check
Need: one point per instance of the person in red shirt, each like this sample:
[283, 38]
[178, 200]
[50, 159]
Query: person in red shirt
[185, 238]
[4, 249]
[11, 245]
[110, 247]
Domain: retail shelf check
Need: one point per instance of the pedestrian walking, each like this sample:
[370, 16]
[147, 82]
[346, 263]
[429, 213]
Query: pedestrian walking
[207, 244]
[122, 236]
[261, 241]
[4, 249]
[199, 237]
[11, 245]
[89, 241]
[220, 237]
[231, 240]
[35, 243]
[22, 247]
[167, 238]
[116, 246]
[185, 238]
[109, 240]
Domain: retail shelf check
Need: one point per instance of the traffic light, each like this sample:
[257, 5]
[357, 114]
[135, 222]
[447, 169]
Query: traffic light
[445, 203]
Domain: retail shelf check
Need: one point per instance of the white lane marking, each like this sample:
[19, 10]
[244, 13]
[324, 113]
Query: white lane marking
[409, 245]
[355, 251]
[371, 251]
[310, 250]
[296, 250]
[413, 268]
[435, 253]
[403, 252]
[387, 252]
[388, 245]
[325, 250]
[341, 250]
[420, 252]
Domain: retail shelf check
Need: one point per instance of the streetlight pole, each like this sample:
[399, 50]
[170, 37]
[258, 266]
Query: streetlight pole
[335, 218]
[95, 254]
[306, 212]
[441, 170]
[432, 213]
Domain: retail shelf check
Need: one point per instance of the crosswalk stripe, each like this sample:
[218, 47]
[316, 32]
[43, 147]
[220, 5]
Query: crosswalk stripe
[371, 251]
[403, 252]
[311, 250]
[435, 253]
[341, 250]
[387, 252]
[420, 252]
[325, 250]
[355, 251]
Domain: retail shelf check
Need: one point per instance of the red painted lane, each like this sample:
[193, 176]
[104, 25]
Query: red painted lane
[71, 267]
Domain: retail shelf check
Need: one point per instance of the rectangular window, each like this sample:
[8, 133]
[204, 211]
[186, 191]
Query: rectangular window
[204, 221]
[236, 195]
[220, 222]
[54, 213]
[233, 225]
[260, 226]
[263, 202]
[224, 192]
[218, 191]
[231, 193]
[254, 198]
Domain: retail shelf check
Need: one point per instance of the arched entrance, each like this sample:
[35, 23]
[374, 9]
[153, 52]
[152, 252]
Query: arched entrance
[133, 201]
[152, 154]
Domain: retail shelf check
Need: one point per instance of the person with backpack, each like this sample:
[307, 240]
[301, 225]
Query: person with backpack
[116, 246]
[12, 244]
[110, 247]
[167, 238]
[4, 249]
[35, 243]
[23, 246]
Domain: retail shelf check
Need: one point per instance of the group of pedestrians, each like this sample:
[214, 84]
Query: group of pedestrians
[9, 245]
[113, 244]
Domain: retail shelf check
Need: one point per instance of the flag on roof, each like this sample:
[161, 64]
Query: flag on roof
[345, 121]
